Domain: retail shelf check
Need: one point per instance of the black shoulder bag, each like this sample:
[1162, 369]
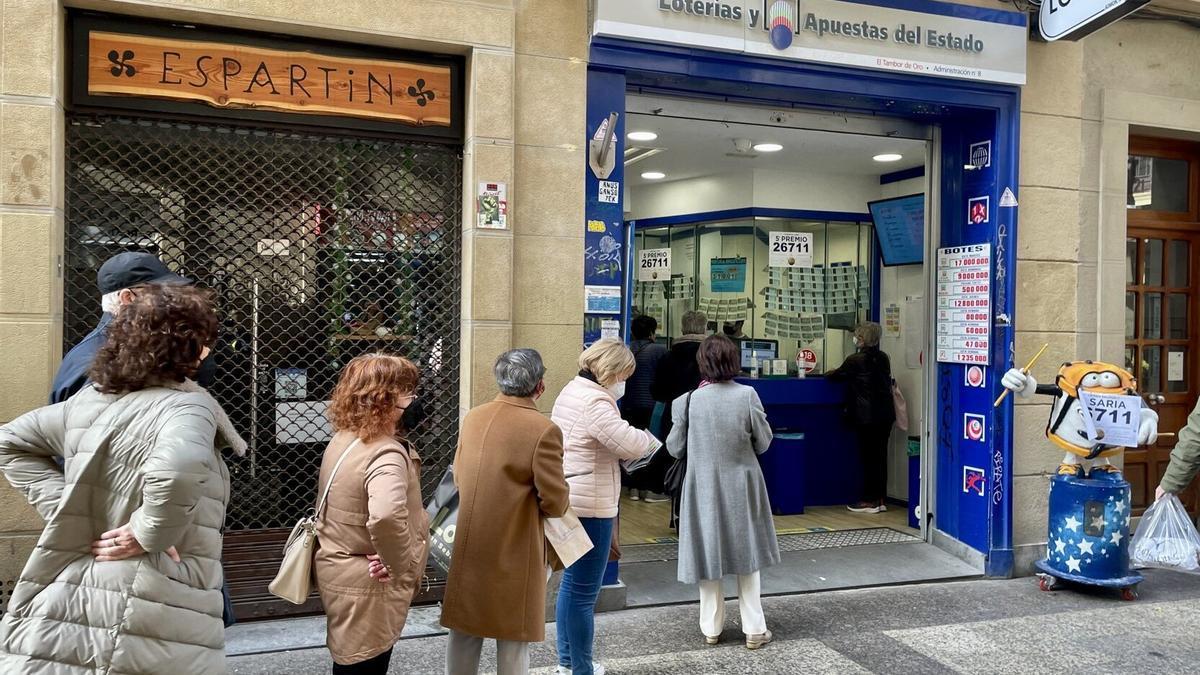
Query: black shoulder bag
[673, 479]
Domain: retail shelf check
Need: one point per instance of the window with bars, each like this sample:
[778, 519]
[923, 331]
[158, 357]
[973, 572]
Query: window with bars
[319, 246]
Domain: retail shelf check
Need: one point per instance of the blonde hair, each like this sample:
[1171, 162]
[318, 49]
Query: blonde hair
[609, 360]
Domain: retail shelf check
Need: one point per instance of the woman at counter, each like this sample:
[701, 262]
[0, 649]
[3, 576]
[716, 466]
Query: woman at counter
[870, 411]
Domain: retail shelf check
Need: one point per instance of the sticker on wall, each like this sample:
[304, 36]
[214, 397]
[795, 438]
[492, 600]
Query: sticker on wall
[891, 320]
[973, 480]
[596, 226]
[978, 210]
[291, 383]
[728, 275]
[981, 154]
[610, 192]
[602, 300]
[974, 427]
[610, 329]
[492, 206]
[1008, 199]
[974, 376]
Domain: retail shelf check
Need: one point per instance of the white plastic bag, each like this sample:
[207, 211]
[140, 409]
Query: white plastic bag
[1167, 538]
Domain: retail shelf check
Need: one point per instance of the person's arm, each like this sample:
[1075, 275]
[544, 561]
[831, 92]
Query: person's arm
[28, 446]
[760, 430]
[844, 372]
[1185, 458]
[624, 440]
[553, 495]
[173, 477]
[677, 439]
[386, 482]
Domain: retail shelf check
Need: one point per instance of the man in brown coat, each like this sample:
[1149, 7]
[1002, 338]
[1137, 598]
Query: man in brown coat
[509, 473]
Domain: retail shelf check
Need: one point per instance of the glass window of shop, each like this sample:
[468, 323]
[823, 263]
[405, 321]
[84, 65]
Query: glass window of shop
[722, 268]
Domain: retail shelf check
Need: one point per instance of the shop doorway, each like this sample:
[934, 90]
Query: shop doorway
[1162, 298]
[707, 185]
[319, 246]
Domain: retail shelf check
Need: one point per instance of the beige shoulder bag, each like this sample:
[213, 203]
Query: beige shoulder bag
[294, 580]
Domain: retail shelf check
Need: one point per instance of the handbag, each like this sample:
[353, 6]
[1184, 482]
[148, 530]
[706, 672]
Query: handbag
[443, 521]
[901, 407]
[673, 479]
[293, 582]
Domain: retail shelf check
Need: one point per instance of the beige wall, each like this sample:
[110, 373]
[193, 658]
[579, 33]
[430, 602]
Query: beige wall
[525, 126]
[1077, 109]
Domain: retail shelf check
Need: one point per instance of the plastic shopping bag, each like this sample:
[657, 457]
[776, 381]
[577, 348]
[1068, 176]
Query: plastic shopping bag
[1167, 538]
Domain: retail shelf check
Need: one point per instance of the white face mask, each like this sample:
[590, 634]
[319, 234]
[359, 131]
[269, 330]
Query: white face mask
[857, 343]
[617, 390]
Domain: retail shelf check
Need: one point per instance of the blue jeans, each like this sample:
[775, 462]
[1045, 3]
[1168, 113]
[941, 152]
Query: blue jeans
[575, 613]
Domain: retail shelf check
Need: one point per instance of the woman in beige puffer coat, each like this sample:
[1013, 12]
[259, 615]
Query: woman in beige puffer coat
[126, 576]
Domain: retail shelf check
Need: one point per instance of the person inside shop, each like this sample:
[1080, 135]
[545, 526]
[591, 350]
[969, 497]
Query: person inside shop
[870, 411]
[509, 472]
[733, 329]
[678, 373]
[637, 408]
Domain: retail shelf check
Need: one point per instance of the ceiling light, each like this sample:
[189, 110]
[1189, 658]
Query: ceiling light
[888, 157]
[768, 147]
[654, 175]
[642, 135]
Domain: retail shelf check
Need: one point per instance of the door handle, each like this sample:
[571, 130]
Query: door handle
[1155, 399]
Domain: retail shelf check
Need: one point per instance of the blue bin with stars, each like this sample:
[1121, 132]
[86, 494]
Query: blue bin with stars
[1088, 540]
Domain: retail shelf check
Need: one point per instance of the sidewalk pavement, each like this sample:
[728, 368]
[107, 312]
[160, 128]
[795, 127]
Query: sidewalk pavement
[986, 626]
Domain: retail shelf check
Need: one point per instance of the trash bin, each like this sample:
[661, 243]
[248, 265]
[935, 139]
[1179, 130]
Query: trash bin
[914, 481]
[783, 468]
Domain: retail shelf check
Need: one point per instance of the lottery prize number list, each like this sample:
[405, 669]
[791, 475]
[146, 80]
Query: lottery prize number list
[964, 304]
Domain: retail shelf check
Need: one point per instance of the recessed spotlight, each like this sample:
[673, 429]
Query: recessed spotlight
[642, 135]
[768, 147]
[654, 175]
[888, 157]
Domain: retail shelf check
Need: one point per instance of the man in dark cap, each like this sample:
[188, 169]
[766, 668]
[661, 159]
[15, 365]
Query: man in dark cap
[118, 279]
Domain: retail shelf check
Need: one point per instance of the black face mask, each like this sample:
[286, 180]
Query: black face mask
[413, 415]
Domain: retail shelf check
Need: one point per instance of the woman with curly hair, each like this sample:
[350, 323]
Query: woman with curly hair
[126, 576]
[372, 535]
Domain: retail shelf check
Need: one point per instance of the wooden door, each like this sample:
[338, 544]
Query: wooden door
[1162, 299]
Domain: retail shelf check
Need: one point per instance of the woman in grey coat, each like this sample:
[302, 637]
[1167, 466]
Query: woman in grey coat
[725, 524]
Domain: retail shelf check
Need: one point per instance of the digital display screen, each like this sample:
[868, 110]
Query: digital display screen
[900, 229]
[758, 349]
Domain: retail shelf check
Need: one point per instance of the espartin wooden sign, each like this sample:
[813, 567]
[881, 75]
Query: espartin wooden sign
[241, 76]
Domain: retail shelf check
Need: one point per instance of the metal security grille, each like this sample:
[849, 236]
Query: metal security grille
[320, 247]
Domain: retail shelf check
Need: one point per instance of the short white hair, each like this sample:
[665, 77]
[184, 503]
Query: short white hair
[111, 302]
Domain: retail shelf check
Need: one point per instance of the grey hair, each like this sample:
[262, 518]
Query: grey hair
[869, 332]
[694, 323]
[518, 372]
[110, 303]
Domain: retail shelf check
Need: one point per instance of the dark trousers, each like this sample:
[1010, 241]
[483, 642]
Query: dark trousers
[377, 665]
[872, 451]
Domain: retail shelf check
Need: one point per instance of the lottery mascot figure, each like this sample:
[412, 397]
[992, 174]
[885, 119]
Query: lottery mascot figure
[1089, 510]
[1072, 427]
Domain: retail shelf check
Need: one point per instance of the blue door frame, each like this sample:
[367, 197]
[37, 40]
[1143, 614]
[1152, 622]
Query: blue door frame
[968, 113]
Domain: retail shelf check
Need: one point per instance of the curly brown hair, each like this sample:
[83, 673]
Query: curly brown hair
[368, 392]
[157, 338]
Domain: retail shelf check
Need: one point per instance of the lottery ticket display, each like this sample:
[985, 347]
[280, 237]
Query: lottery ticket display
[964, 304]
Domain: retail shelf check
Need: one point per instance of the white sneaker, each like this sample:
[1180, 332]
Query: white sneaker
[633, 496]
[597, 669]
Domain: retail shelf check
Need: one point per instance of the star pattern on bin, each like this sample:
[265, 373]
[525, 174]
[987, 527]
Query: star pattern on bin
[1072, 523]
[1060, 546]
[1073, 564]
[1119, 507]
[1117, 537]
[1085, 546]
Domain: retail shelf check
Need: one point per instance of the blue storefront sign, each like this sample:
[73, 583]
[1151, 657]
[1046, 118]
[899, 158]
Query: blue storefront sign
[954, 66]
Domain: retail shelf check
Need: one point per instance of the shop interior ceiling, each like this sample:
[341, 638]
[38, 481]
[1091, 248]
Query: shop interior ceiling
[704, 139]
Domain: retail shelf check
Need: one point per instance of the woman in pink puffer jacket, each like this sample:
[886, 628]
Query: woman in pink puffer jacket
[595, 440]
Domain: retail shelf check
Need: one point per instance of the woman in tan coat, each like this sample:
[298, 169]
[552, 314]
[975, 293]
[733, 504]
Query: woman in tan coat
[509, 473]
[372, 537]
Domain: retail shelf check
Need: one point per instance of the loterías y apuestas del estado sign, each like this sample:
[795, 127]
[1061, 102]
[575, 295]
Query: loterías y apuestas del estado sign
[968, 43]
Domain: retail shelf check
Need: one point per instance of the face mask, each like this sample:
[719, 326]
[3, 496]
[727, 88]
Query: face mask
[857, 343]
[617, 390]
[413, 415]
